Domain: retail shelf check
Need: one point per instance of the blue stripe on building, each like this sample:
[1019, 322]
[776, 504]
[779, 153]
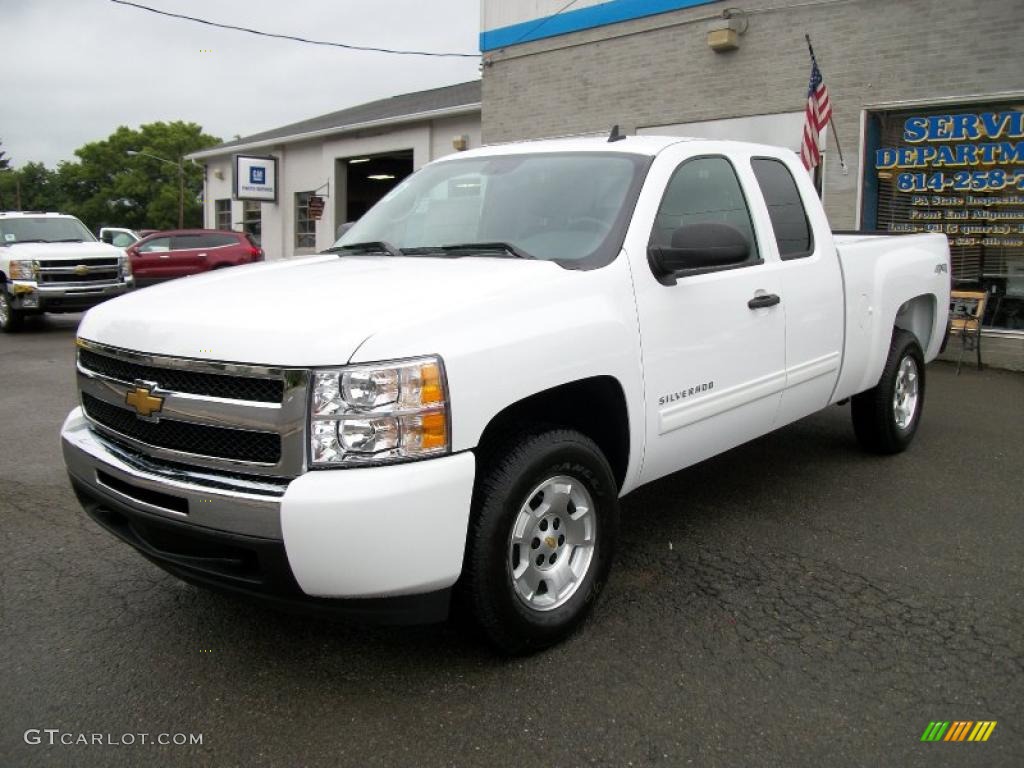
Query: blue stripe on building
[582, 18]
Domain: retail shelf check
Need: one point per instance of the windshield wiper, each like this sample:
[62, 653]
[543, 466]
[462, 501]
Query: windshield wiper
[375, 246]
[488, 249]
[30, 240]
[69, 240]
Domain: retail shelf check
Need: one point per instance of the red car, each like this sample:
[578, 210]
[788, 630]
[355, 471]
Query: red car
[181, 252]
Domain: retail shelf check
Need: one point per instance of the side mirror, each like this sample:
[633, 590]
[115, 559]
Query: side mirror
[697, 248]
[343, 228]
[107, 237]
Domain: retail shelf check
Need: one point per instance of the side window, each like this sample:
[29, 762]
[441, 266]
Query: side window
[785, 208]
[121, 240]
[703, 190]
[156, 245]
[185, 242]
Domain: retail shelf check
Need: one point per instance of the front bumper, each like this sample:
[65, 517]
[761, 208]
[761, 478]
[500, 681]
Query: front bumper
[382, 543]
[35, 297]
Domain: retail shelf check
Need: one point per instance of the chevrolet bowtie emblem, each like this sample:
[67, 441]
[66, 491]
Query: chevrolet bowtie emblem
[81, 269]
[143, 401]
[551, 541]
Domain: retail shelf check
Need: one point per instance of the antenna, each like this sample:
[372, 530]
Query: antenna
[615, 135]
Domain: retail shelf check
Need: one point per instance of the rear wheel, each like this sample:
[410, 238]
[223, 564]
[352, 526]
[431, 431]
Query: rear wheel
[886, 417]
[541, 539]
[10, 318]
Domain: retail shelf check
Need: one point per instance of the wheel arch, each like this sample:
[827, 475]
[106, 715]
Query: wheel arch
[595, 406]
[917, 315]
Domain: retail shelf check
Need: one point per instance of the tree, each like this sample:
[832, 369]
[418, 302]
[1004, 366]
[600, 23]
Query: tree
[5, 164]
[109, 187]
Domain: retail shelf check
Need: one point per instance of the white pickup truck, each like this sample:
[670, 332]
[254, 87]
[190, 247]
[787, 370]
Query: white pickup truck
[453, 399]
[50, 262]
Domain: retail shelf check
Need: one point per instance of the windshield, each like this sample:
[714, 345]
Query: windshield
[43, 229]
[570, 207]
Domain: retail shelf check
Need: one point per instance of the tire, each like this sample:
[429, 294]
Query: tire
[10, 319]
[886, 418]
[513, 528]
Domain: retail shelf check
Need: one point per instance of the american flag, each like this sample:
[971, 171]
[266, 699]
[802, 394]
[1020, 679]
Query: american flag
[817, 114]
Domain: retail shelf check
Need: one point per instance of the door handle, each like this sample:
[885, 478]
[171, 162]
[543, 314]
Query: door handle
[765, 300]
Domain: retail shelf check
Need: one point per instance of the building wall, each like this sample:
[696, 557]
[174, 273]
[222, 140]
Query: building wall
[658, 70]
[305, 166]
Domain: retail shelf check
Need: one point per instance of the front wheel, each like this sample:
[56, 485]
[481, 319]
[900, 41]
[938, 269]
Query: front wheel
[886, 417]
[541, 539]
[10, 318]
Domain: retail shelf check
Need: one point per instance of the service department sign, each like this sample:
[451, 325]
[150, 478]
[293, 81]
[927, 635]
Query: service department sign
[255, 178]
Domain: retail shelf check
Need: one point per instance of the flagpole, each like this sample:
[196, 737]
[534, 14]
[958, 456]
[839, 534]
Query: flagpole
[831, 117]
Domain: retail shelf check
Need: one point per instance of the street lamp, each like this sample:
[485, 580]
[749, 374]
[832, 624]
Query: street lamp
[180, 164]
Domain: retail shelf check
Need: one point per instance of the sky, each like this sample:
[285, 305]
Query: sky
[75, 70]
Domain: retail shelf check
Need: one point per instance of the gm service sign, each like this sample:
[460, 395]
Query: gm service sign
[255, 178]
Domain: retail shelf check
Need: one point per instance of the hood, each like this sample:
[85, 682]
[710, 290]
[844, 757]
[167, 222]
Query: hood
[310, 312]
[60, 251]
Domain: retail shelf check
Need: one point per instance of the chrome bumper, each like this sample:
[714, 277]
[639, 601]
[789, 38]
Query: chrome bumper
[29, 294]
[211, 500]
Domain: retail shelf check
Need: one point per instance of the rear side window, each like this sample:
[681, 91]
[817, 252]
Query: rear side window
[704, 189]
[212, 240]
[184, 242]
[203, 240]
[785, 208]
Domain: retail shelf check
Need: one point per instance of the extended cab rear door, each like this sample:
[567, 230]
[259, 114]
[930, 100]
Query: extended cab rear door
[812, 283]
[714, 365]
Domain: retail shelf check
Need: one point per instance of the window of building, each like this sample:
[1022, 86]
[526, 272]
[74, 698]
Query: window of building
[305, 224]
[252, 219]
[955, 170]
[785, 208]
[222, 214]
[703, 190]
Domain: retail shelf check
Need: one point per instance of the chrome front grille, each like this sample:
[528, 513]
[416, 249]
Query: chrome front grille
[84, 273]
[260, 390]
[220, 416]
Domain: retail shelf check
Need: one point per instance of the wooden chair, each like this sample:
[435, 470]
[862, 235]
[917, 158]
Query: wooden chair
[966, 310]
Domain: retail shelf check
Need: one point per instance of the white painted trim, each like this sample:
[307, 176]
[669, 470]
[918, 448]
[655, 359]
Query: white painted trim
[463, 109]
[812, 369]
[691, 411]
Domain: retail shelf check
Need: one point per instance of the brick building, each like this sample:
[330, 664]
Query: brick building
[648, 65]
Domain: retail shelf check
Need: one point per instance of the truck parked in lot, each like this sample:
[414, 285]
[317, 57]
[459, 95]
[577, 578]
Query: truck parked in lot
[50, 262]
[453, 399]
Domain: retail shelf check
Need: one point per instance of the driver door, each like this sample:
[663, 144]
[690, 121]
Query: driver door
[714, 363]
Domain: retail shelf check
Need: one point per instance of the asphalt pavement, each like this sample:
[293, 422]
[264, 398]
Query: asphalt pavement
[792, 602]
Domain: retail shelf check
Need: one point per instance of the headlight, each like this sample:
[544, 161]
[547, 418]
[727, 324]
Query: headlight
[24, 270]
[379, 413]
[126, 267]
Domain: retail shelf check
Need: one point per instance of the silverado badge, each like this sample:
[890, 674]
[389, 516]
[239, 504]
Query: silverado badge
[143, 401]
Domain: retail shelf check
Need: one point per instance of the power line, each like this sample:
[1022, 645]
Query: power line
[293, 37]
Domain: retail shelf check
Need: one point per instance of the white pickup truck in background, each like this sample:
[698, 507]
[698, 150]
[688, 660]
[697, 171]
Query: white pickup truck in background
[456, 396]
[50, 262]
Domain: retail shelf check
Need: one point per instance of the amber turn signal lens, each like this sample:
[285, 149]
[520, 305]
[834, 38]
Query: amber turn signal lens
[432, 393]
[434, 432]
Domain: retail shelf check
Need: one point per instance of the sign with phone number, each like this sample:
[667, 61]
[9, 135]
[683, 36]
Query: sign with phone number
[961, 181]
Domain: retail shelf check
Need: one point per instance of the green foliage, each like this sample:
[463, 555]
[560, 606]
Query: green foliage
[106, 186]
